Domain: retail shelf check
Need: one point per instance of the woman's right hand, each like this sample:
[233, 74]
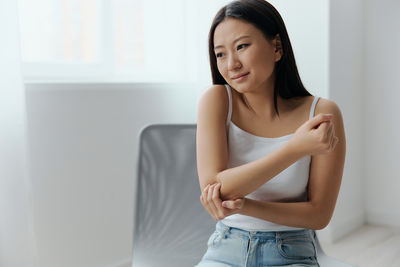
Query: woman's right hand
[315, 136]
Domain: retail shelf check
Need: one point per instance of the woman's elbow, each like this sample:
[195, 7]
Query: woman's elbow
[225, 192]
[207, 180]
[319, 226]
[322, 222]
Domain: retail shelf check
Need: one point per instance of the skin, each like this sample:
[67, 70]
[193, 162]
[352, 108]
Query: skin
[254, 54]
[257, 56]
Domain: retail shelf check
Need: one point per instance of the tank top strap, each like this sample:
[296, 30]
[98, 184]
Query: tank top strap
[228, 119]
[313, 107]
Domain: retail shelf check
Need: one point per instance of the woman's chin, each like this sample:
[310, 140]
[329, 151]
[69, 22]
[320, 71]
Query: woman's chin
[242, 87]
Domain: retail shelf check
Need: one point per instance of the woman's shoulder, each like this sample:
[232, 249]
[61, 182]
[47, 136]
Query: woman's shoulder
[303, 104]
[325, 105]
[214, 101]
[215, 93]
[217, 88]
[328, 106]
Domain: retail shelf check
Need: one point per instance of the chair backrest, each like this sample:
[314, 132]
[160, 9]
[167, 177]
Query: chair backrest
[326, 261]
[171, 227]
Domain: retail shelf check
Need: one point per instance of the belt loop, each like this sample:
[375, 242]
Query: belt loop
[252, 233]
[225, 228]
[277, 235]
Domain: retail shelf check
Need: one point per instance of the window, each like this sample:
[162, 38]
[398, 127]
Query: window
[115, 40]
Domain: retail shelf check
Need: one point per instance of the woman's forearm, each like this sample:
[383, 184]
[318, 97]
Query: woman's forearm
[295, 214]
[240, 181]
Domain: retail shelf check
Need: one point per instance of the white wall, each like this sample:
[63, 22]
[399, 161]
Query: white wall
[380, 113]
[83, 144]
[364, 81]
[307, 23]
[346, 89]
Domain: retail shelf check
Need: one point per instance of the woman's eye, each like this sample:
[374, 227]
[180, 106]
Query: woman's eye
[239, 46]
[242, 45]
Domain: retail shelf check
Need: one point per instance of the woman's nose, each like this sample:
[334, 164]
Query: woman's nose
[234, 63]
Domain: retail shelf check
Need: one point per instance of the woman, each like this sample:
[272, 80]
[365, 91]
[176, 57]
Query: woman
[270, 156]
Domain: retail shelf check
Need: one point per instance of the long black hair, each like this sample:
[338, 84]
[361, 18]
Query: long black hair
[266, 18]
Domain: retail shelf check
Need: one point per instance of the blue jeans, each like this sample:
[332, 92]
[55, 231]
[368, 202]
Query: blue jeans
[230, 246]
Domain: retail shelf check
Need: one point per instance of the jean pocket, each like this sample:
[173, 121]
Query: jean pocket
[297, 248]
[214, 240]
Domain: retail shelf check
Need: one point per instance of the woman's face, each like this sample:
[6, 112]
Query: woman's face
[242, 49]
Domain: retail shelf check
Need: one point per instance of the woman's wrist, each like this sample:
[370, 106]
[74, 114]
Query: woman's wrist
[245, 207]
[294, 149]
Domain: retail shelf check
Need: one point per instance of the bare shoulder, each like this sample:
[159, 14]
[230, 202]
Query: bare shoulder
[214, 102]
[328, 106]
[215, 92]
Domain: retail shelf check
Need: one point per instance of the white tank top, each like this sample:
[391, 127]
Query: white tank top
[290, 185]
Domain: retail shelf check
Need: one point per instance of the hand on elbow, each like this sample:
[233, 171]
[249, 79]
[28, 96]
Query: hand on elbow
[215, 206]
[227, 194]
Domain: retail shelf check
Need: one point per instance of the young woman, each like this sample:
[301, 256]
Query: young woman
[270, 156]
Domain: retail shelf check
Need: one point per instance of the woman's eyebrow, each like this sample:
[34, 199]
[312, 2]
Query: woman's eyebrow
[237, 39]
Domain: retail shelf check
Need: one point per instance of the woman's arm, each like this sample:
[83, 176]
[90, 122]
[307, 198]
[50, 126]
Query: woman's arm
[212, 149]
[324, 183]
[295, 214]
[240, 181]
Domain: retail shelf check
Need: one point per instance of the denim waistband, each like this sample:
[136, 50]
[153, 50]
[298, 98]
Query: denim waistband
[304, 233]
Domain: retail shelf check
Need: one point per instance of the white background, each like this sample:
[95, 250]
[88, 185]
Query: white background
[82, 134]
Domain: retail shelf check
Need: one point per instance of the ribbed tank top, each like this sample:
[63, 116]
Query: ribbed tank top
[290, 185]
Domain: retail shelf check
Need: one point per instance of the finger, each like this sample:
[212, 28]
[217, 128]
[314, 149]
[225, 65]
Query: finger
[210, 201]
[329, 133]
[216, 197]
[229, 204]
[217, 201]
[332, 136]
[234, 204]
[331, 141]
[323, 127]
[203, 199]
[335, 142]
[205, 188]
[314, 122]
[241, 202]
[202, 194]
[205, 205]
[331, 129]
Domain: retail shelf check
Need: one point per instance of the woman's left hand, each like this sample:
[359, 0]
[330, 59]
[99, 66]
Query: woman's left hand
[218, 209]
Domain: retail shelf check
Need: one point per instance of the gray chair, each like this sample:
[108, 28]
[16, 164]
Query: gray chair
[326, 261]
[171, 227]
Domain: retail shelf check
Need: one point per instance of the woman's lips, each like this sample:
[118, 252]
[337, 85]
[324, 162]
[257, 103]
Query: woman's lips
[241, 78]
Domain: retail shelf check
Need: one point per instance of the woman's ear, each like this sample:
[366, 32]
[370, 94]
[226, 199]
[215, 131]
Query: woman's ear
[278, 47]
